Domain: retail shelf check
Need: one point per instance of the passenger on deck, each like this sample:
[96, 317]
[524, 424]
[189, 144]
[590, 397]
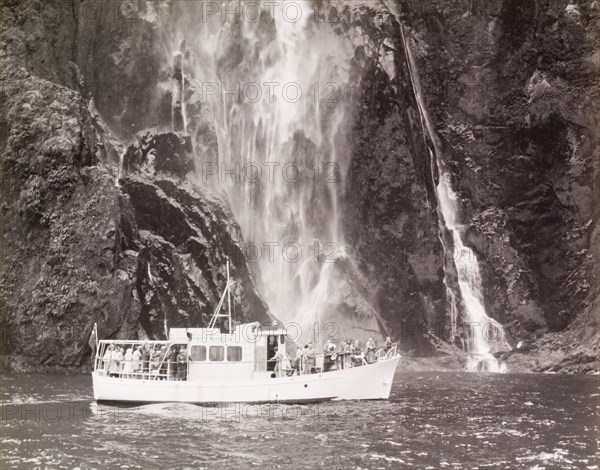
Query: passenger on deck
[116, 362]
[107, 357]
[128, 363]
[286, 363]
[298, 362]
[328, 355]
[146, 358]
[370, 350]
[340, 358]
[137, 361]
[122, 351]
[358, 355]
[312, 355]
[163, 359]
[182, 364]
[388, 344]
[278, 358]
[154, 362]
[305, 360]
[173, 362]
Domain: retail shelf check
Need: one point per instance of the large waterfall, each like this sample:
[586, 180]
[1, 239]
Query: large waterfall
[261, 88]
[481, 331]
[270, 83]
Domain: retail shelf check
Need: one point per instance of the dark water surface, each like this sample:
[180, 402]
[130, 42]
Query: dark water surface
[432, 420]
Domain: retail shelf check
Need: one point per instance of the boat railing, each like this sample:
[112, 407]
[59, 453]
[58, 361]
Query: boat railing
[175, 370]
[166, 369]
[386, 353]
[171, 370]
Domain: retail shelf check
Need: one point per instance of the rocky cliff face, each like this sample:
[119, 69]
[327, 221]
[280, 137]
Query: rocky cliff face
[183, 235]
[133, 242]
[390, 216]
[132, 246]
[513, 91]
[518, 107]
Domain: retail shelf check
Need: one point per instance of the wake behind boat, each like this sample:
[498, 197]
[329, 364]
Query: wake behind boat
[247, 364]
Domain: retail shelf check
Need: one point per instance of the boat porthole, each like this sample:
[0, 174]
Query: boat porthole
[305, 385]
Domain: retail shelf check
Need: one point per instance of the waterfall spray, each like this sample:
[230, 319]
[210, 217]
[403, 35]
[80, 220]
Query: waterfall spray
[120, 169]
[271, 90]
[178, 108]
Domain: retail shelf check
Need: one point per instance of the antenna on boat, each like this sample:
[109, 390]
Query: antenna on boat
[228, 297]
[216, 313]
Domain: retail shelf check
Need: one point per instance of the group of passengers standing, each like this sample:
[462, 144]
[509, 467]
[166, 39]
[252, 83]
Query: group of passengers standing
[144, 361]
[348, 353]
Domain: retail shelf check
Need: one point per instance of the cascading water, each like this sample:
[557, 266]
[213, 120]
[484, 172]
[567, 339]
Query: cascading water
[271, 89]
[178, 119]
[481, 330]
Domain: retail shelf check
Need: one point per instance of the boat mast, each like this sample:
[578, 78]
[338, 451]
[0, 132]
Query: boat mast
[216, 314]
[228, 297]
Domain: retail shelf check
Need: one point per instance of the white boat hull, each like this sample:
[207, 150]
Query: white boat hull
[368, 382]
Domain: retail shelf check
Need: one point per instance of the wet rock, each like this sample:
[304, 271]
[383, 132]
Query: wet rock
[513, 109]
[186, 238]
[390, 216]
[60, 246]
[153, 152]
[119, 55]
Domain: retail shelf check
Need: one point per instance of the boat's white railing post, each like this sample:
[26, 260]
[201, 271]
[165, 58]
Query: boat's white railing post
[382, 354]
[391, 352]
[98, 360]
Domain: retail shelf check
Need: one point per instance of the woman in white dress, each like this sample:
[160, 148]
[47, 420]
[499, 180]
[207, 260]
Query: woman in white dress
[107, 358]
[137, 360]
[115, 364]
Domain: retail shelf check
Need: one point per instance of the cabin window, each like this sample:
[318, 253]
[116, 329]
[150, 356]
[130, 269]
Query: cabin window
[234, 353]
[216, 353]
[198, 353]
[281, 339]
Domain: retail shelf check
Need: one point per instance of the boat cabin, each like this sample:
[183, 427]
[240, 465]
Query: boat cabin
[200, 354]
[240, 354]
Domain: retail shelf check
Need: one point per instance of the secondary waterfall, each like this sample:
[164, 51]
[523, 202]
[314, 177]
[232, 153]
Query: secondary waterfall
[269, 81]
[481, 331]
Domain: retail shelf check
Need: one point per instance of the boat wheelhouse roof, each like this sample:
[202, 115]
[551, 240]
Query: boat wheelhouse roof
[247, 330]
